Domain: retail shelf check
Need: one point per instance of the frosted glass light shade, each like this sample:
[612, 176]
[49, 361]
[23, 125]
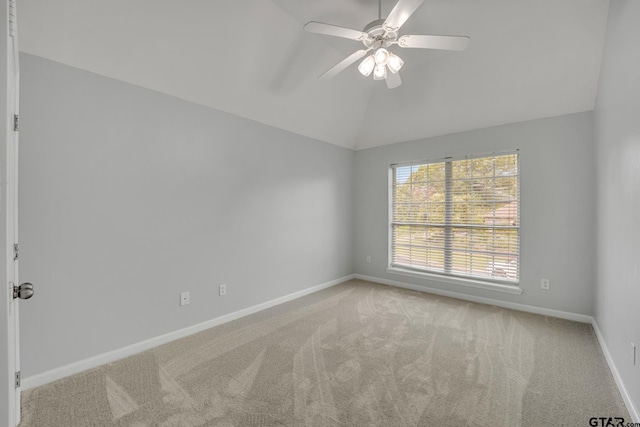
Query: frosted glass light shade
[380, 72]
[366, 66]
[382, 56]
[395, 63]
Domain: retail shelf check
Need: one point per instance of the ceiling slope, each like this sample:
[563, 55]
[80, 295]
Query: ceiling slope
[526, 60]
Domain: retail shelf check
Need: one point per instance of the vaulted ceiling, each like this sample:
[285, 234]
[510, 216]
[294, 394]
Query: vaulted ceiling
[527, 59]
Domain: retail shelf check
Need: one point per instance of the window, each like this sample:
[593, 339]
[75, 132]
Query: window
[457, 217]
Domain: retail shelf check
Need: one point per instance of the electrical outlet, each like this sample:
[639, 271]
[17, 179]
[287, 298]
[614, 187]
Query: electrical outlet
[544, 284]
[633, 347]
[368, 259]
[223, 290]
[184, 298]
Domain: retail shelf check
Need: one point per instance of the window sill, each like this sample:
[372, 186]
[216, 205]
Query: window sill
[473, 283]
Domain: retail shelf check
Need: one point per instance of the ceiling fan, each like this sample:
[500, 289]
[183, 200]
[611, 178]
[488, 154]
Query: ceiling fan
[381, 34]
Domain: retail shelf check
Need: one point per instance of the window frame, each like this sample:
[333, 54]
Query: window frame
[508, 286]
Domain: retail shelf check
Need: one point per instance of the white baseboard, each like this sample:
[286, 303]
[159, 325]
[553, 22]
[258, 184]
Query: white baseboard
[111, 356]
[489, 301]
[635, 415]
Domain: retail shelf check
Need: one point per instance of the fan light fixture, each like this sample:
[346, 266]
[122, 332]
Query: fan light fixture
[382, 56]
[380, 35]
[380, 72]
[378, 63]
[366, 66]
[395, 63]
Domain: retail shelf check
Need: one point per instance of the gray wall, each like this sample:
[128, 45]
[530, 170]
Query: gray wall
[557, 206]
[129, 197]
[617, 136]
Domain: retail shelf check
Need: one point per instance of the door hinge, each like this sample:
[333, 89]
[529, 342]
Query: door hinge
[16, 251]
[16, 123]
[18, 379]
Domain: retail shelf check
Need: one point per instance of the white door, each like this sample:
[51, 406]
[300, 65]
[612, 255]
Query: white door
[13, 74]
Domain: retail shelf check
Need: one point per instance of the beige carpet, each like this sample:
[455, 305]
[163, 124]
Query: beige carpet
[357, 354]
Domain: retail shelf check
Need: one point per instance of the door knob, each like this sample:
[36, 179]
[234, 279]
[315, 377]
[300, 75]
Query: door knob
[24, 291]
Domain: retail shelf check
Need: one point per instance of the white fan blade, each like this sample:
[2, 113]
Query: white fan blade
[344, 63]
[334, 30]
[400, 13]
[435, 42]
[393, 80]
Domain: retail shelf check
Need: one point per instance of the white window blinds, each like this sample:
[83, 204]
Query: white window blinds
[457, 217]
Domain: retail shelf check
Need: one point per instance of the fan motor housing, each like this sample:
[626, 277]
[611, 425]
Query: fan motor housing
[378, 34]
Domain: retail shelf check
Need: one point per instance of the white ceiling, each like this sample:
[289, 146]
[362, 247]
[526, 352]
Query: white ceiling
[527, 59]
